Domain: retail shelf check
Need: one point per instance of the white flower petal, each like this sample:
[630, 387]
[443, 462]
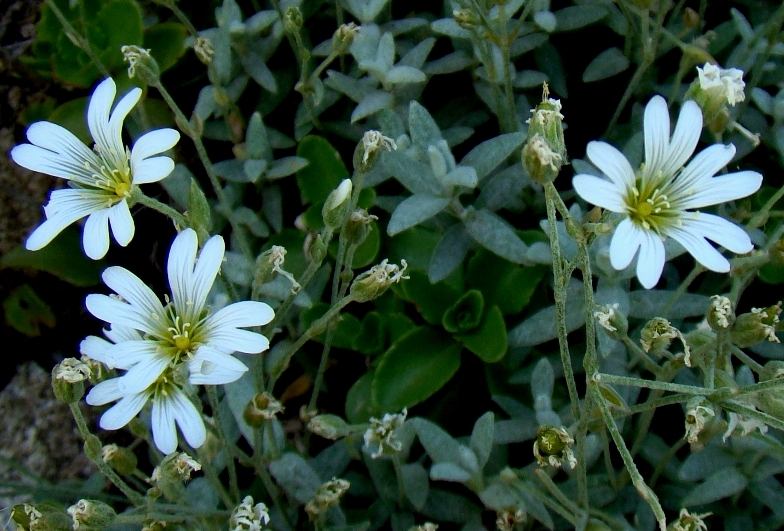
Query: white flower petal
[599, 192]
[182, 255]
[656, 125]
[220, 359]
[119, 114]
[54, 137]
[239, 314]
[721, 231]
[611, 162]
[701, 250]
[95, 237]
[650, 262]
[624, 244]
[95, 347]
[123, 411]
[701, 168]
[119, 313]
[153, 143]
[685, 138]
[104, 392]
[143, 374]
[55, 224]
[724, 188]
[152, 170]
[235, 339]
[119, 333]
[207, 267]
[188, 419]
[164, 432]
[38, 159]
[128, 353]
[132, 289]
[213, 376]
[98, 112]
[122, 223]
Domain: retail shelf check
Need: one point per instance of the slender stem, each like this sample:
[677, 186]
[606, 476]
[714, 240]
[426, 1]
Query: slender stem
[135, 498]
[180, 16]
[664, 461]
[178, 219]
[553, 489]
[641, 355]
[546, 500]
[681, 289]
[80, 41]
[212, 476]
[212, 396]
[651, 384]
[401, 486]
[205, 160]
[638, 73]
[746, 359]
[648, 405]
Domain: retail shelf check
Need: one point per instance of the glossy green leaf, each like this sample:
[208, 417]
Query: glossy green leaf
[489, 341]
[431, 300]
[414, 368]
[325, 171]
[63, 258]
[359, 404]
[507, 285]
[71, 115]
[371, 338]
[167, 42]
[26, 312]
[465, 314]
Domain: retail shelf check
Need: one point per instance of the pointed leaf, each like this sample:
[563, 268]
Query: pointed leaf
[492, 232]
[371, 104]
[482, 438]
[449, 252]
[720, 485]
[414, 210]
[607, 64]
[424, 130]
[413, 174]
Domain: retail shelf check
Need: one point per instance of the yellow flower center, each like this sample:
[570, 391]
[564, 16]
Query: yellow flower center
[182, 343]
[122, 189]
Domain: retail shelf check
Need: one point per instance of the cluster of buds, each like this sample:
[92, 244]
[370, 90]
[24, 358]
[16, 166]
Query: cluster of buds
[249, 517]
[720, 314]
[689, 522]
[612, 321]
[698, 413]
[89, 515]
[368, 150]
[467, 19]
[141, 64]
[262, 407]
[553, 446]
[270, 262]
[658, 333]
[380, 438]
[759, 324]
[68, 378]
[327, 495]
[377, 280]
[508, 519]
[545, 152]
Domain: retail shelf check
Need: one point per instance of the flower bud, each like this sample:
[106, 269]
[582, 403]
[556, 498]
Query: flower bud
[327, 496]
[467, 19]
[172, 472]
[204, 50]
[318, 248]
[698, 412]
[262, 407]
[553, 446]
[68, 379]
[343, 37]
[330, 427]
[545, 153]
[369, 149]
[267, 264]
[40, 517]
[720, 314]
[690, 18]
[714, 89]
[338, 205]
[689, 522]
[121, 459]
[657, 335]
[612, 321]
[141, 64]
[292, 20]
[540, 161]
[358, 226]
[91, 515]
[751, 328]
[377, 280]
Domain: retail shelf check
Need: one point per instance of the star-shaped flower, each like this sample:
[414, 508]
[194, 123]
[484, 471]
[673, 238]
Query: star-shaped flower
[102, 179]
[658, 199]
[162, 348]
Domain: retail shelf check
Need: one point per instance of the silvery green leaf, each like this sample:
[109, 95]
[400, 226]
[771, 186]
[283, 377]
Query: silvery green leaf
[364, 47]
[332, 461]
[415, 484]
[538, 510]
[510, 8]
[449, 252]
[386, 51]
[447, 506]
[375, 68]
[229, 12]
[575, 17]
[322, 49]
[540, 253]
[285, 167]
[245, 216]
[505, 190]
[615, 19]
[254, 168]
[398, 27]
[512, 407]
[515, 430]
[461, 176]
[353, 88]
[237, 269]
[527, 43]
[382, 473]
[542, 379]
[607, 64]
[366, 10]
[720, 485]
[256, 141]
[450, 28]
[438, 444]
[414, 210]
[542, 326]
[221, 60]
[278, 140]
[371, 104]
[387, 203]
[568, 245]
[449, 472]
[237, 86]
[238, 394]
[699, 465]
[486, 157]
[482, 438]
[742, 25]
[377, 175]
[646, 304]
[424, 130]
[485, 92]
[391, 124]
[260, 22]
[414, 175]
[295, 476]
[417, 56]
[529, 78]
[494, 234]
[205, 103]
[178, 185]
[769, 492]
[546, 20]
[455, 136]
[272, 206]
[499, 496]
[200, 494]
[450, 63]
[404, 74]
[231, 170]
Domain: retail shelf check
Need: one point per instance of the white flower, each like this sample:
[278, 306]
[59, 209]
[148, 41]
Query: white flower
[726, 82]
[656, 199]
[380, 437]
[161, 347]
[101, 180]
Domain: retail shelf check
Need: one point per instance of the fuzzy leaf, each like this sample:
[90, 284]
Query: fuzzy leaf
[720, 485]
[576, 17]
[449, 253]
[414, 210]
[493, 233]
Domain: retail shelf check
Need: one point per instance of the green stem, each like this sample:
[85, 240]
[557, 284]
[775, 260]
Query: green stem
[401, 486]
[651, 384]
[80, 41]
[681, 289]
[641, 355]
[180, 16]
[743, 357]
[546, 500]
[556, 493]
[178, 219]
[212, 396]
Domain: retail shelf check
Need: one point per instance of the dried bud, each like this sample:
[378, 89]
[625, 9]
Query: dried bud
[172, 472]
[91, 515]
[337, 206]
[368, 150]
[612, 321]
[553, 446]
[204, 50]
[327, 496]
[380, 437]
[141, 64]
[751, 328]
[508, 519]
[698, 412]
[713, 90]
[377, 280]
[270, 262]
[262, 407]
[720, 314]
[657, 335]
[358, 226]
[249, 517]
[121, 459]
[68, 379]
[330, 427]
[689, 522]
[545, 153]
[343, 37]
[40, 517]
[746, 425]
[467, 19]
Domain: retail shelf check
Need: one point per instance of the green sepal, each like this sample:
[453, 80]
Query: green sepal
[199, 214]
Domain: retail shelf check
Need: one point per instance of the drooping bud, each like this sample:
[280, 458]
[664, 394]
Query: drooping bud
[553, 446]
[204, 50]
[343, 37]
[327, 496]
[657, 335]
[698, 412]
[368, 150]
[121, 459]
[141, 64]
[68, 378]
[545, 152]
[338, 205]
[377, 280]
[760, 323]
[262, 407]
[720, 314]
[91, 515]
[330, 427]
[612, 321]
[380, 438]
[249, 517]
[689, 522]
